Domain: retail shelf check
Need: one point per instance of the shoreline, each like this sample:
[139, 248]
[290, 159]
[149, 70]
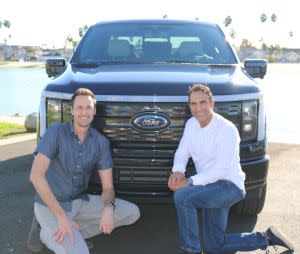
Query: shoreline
[15, 64]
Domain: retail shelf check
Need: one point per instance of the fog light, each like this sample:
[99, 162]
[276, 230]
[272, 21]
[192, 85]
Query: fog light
[248, 127]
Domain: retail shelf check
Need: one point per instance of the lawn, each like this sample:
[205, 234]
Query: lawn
[9, 130]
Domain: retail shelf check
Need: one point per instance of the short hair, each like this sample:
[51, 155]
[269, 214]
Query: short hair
[83, 91]
[200, 88]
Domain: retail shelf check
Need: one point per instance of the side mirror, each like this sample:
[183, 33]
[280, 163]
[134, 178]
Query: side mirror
[256, 68]
[55, 66]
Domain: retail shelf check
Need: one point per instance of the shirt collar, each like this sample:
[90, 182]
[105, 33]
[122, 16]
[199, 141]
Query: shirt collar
[71, 131]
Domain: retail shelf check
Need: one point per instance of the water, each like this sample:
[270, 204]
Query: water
[281, 88]
[21, 89]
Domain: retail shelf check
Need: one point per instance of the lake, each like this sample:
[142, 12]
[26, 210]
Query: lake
[21, 89]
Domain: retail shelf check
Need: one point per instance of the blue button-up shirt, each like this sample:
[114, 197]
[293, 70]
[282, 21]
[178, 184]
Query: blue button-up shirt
[72, 162]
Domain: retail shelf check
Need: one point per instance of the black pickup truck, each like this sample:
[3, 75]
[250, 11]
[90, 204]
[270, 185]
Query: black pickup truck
[140, 71]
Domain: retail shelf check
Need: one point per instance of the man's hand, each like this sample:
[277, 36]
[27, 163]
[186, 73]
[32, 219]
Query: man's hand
[64, 226]
[177, 181]
[107, 224]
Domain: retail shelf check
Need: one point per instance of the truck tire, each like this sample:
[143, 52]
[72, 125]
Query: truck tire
[252, 204]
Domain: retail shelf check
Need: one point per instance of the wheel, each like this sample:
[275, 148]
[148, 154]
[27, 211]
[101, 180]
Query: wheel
[252, 204]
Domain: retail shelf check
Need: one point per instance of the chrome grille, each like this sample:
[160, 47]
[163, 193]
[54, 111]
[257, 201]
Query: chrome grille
[148, 158]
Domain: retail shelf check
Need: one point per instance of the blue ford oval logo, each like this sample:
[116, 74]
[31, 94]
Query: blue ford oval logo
[150, 122]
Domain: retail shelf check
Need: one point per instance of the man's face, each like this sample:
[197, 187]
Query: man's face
[83, 110]
[201, 107]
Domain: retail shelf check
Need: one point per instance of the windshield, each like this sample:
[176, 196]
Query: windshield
[150, 43]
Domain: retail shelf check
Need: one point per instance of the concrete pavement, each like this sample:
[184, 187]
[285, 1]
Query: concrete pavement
[156, 231]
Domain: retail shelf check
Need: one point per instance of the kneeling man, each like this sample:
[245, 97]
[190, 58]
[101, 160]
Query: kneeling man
[64, 161]
[213, 143]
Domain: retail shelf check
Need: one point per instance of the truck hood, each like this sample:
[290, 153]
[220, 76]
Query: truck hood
[149, 79]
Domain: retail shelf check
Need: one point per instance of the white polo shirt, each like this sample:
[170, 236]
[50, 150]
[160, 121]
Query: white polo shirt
[214, 150]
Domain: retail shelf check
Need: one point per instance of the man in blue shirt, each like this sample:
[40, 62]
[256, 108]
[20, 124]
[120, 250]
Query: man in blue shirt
[65, 159]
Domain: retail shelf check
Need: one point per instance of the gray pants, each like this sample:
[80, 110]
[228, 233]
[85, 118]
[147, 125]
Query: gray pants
[87, 215]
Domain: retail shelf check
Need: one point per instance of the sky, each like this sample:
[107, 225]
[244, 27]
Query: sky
[48, 23]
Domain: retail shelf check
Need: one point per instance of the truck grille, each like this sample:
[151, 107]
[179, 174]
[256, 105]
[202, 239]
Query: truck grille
[148, 158]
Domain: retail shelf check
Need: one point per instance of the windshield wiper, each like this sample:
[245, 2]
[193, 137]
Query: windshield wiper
[87, 65]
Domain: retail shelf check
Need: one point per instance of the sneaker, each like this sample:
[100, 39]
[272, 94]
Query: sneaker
[34, 242]
[276, 237]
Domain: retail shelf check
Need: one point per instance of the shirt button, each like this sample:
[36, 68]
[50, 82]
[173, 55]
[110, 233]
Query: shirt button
[77, 166]
[80, 154]
[74, 188]
[74, 177]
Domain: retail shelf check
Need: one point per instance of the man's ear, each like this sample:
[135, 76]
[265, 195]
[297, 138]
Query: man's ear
[72, 111]
[212, 104]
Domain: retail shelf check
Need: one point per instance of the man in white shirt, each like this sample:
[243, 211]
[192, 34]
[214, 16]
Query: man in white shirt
[213, 143]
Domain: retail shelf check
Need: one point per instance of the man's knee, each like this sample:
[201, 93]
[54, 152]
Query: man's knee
[134, 213]
[180, 196]
[127, 212]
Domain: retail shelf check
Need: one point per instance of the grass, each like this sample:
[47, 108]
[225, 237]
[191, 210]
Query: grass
[11, 130]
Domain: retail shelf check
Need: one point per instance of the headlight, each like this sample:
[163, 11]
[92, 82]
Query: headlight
[249, 120]
[58, 111]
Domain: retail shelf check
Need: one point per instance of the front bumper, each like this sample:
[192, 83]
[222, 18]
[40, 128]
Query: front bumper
[256, 176]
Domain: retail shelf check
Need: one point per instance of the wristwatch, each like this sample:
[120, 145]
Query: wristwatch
[189, 181]
[110, 204]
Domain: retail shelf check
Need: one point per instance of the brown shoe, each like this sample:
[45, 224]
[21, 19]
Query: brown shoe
[34, 242]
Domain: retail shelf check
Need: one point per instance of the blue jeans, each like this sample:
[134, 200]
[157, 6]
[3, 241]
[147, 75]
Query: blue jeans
[215, 200]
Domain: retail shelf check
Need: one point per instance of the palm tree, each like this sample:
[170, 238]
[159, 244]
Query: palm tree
[6, 23]
[82, 30]
[227, 21]
[274, 17]
[263, 18]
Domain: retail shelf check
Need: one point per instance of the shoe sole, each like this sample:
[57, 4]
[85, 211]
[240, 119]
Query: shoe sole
[283, 237]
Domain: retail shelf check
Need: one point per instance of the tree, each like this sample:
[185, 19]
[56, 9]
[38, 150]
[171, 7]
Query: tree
[165, 16]
[291, 34]
[263, 18]
[82, 30]
[274, 17]
[227, 21]
[246, 44]
[29, 49]
[70, 40]
[6, 23]
[232, 34]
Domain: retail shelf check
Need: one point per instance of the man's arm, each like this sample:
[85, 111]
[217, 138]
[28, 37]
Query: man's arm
[38, 179]
[108, 196]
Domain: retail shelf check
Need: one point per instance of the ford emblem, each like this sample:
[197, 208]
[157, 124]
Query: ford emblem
[150, 122]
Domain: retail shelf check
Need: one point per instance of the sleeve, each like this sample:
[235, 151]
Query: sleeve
[105, 161]
[182, 154]
[227, 150]
[49, 142]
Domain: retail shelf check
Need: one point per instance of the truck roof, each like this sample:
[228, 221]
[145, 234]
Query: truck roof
[156, 21]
